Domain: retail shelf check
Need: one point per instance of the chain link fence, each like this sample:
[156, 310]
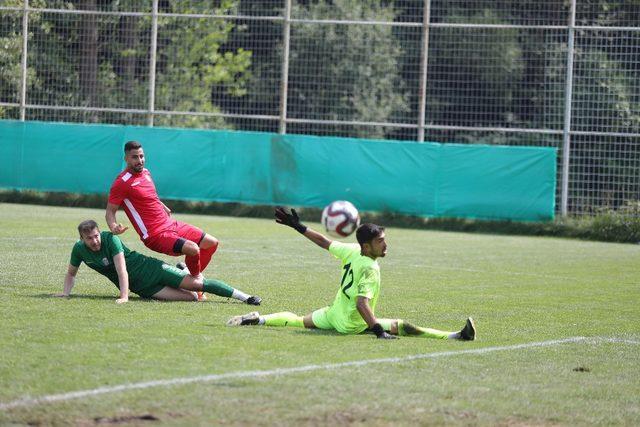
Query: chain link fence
[553, 73]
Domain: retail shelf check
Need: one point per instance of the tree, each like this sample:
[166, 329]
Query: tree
[337, 72]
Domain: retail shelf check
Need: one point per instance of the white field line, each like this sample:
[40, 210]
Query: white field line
[28, 402]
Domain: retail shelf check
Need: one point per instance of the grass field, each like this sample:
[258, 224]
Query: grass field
[558, 323]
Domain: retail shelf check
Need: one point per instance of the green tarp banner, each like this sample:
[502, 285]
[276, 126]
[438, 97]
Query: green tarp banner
[426, 179]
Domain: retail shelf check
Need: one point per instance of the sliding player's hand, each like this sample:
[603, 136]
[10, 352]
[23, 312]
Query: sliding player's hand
[387, 336]
[289, 219]
[381, 333]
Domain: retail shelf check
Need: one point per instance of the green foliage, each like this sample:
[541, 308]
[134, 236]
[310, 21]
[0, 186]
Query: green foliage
[490, 64]
[192, 58]
[194, 62]
[353, 70]
[621, 225]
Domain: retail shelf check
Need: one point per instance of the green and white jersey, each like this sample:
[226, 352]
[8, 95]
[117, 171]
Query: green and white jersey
[360, 277]
[146, 274]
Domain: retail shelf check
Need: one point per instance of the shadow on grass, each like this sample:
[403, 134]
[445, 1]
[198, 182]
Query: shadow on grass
[326, 332]
[52, 296]
[134, 298]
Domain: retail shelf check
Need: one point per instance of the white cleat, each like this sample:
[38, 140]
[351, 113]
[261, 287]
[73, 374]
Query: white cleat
[247, 319]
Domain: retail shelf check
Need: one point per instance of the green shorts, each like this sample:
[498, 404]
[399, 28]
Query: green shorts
[154, 276]
[321, 320]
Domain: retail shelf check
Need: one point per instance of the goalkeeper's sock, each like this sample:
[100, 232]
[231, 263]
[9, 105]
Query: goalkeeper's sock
[407, 329]
[282, 319]
[218, 287]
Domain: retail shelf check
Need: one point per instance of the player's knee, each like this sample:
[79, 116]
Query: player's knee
[190, 248]
[209, 242]
[307, 321]
[192, 283]
[394, 327]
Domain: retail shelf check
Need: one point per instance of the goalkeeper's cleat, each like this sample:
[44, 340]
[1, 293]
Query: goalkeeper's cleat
[254, 300]
[468, 333]
[248, 319]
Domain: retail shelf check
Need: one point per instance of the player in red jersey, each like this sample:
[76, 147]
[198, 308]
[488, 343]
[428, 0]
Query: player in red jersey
[134, 191]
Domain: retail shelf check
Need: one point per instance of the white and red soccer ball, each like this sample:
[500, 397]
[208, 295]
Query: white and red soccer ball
[340, 218]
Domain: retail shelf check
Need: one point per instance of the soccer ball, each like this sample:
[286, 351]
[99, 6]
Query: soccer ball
[340, 218]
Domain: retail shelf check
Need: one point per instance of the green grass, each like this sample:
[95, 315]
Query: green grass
[519, 290]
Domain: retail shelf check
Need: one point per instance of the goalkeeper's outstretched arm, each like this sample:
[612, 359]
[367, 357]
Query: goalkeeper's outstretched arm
[292, 220]
[317, 238]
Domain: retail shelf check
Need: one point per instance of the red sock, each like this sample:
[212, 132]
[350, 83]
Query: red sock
[206, 254]
[193, 264]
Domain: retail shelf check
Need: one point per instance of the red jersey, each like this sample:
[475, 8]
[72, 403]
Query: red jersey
[137, 195]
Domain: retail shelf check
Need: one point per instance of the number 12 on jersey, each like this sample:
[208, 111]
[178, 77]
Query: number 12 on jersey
[347, 272]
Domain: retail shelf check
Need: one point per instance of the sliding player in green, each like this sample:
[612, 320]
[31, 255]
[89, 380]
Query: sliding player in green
[352, 310]
[146, 276]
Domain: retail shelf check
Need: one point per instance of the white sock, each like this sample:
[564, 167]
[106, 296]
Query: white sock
[260, 320]
[454, 336]
[239, 295]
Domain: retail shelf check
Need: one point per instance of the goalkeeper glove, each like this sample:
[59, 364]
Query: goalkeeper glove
[381, 333]
[290, 219]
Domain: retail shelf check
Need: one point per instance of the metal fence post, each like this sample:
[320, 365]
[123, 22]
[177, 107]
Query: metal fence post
[424, 56]
[282, 128]
[568, 91]
[152, 62]
[23, 67]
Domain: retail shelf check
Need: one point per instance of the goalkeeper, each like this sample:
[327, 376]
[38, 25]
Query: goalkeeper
[148, 277]
[352, 310]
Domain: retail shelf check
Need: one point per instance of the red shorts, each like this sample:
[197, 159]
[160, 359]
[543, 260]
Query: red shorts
[170, 241]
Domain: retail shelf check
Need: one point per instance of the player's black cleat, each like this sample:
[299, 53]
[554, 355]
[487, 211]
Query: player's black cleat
[254, 300]
[468, 333]
[248, 319]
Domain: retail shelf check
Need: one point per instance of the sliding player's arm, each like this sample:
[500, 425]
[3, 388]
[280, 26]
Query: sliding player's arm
[317, 238]
[123, 277]
[69, 281]
[367, 287]
[112, 223]
[292, 220]
[362, 304]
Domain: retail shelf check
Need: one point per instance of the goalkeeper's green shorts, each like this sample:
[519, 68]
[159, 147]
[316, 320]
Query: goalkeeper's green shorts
[321, 320]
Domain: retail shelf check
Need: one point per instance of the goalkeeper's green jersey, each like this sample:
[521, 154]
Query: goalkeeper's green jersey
[360, 277]
[143, 271]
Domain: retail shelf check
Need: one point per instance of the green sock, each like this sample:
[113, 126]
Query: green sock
[217, 287]
[406, 328]
[283, 319]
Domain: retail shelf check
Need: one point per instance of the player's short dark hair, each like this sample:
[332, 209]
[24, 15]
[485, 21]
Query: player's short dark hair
[131, 145]
[87, 226]
[367, 232]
